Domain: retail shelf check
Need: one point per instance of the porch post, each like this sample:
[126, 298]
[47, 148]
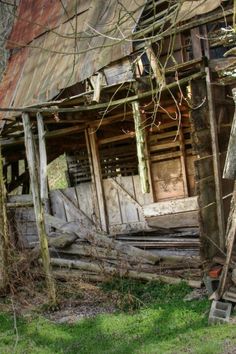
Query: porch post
[216, 161]
[140, 140]
[38, 206]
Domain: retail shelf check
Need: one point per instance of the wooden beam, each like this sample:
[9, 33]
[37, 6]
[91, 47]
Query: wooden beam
[100, 106]
[42, 159]
[149, 169]
[185, 219]
[116, 138]
[38, 207]
[127, 273]
[155, 65]
[48, 135]
[169, 207]
[140, 139]
[230, 237]
[93, 181]
[196, 43]
[96, 81]
[216, 160]
[19, 205]
[43, 178]
[4, 235]
[98, 178]
[183, 161]
[230, 162]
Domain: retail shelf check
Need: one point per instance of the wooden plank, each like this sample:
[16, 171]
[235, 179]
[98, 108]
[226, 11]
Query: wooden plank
[74, 213]
[70, 193]
[72, 207]
[150, 194]
[54, 221]
[230, 237]
[129, 210]
[86, 202]
[99, 106]
[155, 65]
[98, 179]
[123, 191]
[171, 207]
[230, 162]
[121, 137]
[165, 156]
[196, 43]
[43, 179]
[203, 167]
[57, 205]
[43, 159]
[206, 191]
[141, 198]
[154, 138]
[187, 219]
[118, 72]
[112, 202]
[164, 146]
[168, 183]
[183, 161]
[126, 228]
[190, 160]
[97, 85]
[85, 232]
[216, 160]
[23, 198]
[129, 273]
[166, 244]
[209, 233]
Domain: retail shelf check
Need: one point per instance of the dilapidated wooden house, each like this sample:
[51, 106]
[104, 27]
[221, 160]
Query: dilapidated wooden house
[137, 95]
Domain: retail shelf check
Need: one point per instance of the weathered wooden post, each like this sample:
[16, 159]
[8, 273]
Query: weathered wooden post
[230, 173]
[37, 197]
[230, 162]
[216, 159]
[4, 233]
[42, 160]
[140, 141]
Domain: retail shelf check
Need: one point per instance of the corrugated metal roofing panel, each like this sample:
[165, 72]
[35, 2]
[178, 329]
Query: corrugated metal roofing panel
[49, 63]
[35, 17]
[191, 8]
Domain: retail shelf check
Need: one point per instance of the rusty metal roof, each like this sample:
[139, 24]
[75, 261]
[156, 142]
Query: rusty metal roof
[55, 60]
[34, 18]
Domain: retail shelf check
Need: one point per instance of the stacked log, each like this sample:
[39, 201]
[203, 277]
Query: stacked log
[95, 255]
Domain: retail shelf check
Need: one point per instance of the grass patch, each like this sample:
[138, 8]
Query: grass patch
[154, 319]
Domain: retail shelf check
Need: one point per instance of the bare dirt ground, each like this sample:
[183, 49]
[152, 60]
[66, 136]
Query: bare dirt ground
[76, 300]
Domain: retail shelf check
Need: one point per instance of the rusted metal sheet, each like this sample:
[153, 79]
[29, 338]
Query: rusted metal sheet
[11, 78]
[54, 61]
[35, 17]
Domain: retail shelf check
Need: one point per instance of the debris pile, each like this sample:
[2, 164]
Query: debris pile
[97, 256]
